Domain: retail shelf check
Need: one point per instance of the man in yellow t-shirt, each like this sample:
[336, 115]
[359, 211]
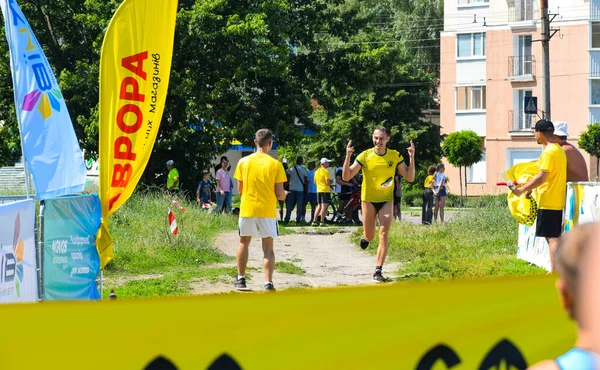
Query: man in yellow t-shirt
[379, 166]
[551, 184]
[260, 183]
[427, 209]
[323, 182]
[172, 178]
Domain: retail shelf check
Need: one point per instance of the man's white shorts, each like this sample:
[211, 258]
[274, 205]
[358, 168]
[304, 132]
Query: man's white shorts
[258, 226]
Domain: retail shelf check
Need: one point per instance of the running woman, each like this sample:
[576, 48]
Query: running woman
[379, 166]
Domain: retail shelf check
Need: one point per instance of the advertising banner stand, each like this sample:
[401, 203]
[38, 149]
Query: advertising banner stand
[582, 206]
[18, 264]
[70, 260]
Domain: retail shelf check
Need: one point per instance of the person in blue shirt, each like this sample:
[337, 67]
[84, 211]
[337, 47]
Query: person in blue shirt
[311, 195]
[204, 189]
[569, 263]
[439, 192]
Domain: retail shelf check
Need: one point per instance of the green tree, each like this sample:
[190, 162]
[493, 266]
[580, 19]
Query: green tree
[240, 65]
[590, 142]
[462, 149]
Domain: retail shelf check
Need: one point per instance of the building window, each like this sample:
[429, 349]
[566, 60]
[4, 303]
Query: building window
[471, 45]
[521, 155]
[596, 35]
[470, 98]
[595, 91]
[476, 174]
[470, 2]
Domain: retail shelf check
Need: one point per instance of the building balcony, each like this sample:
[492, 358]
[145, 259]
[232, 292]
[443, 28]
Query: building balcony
[519, 123]
[521, 68]
[522, 13]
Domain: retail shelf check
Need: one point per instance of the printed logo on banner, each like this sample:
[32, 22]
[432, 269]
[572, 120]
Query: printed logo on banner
[504, 352]
[224, 362]
[11, 264]
[47, 95]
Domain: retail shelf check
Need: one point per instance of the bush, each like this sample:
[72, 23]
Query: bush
[412, 196]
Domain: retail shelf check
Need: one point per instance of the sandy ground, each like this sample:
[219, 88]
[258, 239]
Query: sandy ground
[329, 260]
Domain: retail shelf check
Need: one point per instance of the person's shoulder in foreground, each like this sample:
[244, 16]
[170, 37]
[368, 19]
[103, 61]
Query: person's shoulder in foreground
[571, 254]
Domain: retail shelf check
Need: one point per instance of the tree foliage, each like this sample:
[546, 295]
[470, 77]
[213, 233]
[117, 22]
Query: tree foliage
[241, 65]
[462, 149]
[590, 142]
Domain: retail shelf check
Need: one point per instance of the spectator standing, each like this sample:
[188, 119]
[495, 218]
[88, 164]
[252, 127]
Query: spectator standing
[172, 178]
[344, 189]
[427, 210]
[551, 182]
[323, 182]
[260, 183]
[311, 196]
[204, 189]
[576, 167]
[286, 187]
[224, 183]
[398, 197]
[439, 192]
[298, 183]
[571, 255]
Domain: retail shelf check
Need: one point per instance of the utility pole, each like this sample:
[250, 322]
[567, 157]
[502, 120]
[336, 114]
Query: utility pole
[546, 59]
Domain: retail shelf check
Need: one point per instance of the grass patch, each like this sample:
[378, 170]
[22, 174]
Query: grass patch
[289, 268]
[473, 245]
[144, 245]
[170, 284]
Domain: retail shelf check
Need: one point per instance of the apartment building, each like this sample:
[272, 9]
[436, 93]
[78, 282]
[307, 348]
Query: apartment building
[491, 59]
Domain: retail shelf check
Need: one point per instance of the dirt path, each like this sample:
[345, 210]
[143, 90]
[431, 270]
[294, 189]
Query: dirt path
[329, 260]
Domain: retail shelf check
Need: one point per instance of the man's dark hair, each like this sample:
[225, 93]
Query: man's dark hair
[263, 137]
[300, 160]
[544, 126]
[311, 164]
[383, 129]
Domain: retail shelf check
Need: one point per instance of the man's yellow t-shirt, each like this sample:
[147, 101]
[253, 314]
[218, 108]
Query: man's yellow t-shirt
[378, 174]
[321, 177]
[428, 181]
[173, 174]
[553, 192]
[259, 172]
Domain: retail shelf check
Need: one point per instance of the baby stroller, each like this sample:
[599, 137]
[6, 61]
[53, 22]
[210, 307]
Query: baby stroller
[354, 205]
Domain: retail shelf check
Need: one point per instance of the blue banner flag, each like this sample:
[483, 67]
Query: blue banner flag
[50, 146]
[71, 262]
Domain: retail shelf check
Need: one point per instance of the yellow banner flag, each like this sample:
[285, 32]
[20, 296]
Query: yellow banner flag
[135, 65]
[489, 324]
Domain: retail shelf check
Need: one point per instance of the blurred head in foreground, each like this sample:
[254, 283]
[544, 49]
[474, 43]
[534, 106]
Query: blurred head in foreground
[571, 254]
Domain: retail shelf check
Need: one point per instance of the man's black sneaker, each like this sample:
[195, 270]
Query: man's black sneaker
[240, 283]
[269, 287]
[364, 243]
[378, 277]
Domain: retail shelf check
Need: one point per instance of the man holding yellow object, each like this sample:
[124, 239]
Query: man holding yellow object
[551, 185]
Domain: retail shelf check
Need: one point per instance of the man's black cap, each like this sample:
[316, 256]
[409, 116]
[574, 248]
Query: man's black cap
[544, 125]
